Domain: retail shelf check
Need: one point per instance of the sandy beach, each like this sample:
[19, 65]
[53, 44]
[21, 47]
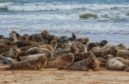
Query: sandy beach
[53, 76]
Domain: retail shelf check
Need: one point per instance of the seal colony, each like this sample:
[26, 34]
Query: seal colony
[44, 50]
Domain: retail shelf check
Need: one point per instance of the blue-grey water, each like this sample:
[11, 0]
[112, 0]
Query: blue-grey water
[61, 17]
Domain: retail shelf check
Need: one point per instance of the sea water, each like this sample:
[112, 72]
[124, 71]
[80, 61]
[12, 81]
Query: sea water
[61, 17]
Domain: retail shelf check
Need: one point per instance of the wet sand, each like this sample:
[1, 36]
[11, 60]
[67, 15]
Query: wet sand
[53, 76]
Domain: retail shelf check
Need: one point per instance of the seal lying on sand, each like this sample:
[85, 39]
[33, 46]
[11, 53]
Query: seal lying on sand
[6, 60]
[115, 63]
[124, 53]
[30, 64]
[60, 61]
[121, 46]
[48, 37]
[49, 47]
[14, 36]
[34, 56]
[78, 47]
[105, 50]
[84, 65]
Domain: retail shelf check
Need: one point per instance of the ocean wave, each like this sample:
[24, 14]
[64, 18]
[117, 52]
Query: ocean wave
[60, 6]
[69, 10]
[63, 17]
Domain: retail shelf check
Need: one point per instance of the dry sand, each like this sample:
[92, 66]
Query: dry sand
[53, 76]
